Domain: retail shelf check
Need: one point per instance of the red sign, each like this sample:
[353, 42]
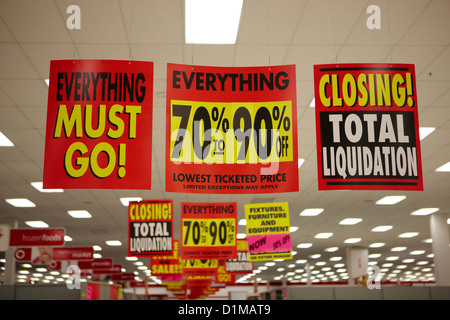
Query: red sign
[367, 127]
[123, 277]
[36, 237]
[150, 228]
[96, 264]
[99, 125]
[84, 253]
[208, 230]
[22, 254]
[231, 129]
[115, 269]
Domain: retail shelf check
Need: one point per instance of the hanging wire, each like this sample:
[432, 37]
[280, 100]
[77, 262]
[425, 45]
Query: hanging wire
[334, 32]
[268, 31]
[389, 30]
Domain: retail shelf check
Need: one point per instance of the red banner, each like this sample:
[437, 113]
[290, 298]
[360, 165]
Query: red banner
[231, 129]
[96, 264]
[83, 253]
[36, 237]
[99, 125]
[150, 228]
[116, 269]
[208, 230]
[367, 127]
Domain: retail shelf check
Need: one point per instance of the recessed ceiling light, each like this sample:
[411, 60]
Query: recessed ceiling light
[97, 248]
[36, 224]
[21, 203]
[241, 236]
[417, 252]
[398, 249]
[113, 243]
[377, 245]
[393, 258]
[315, 256]
[38, 186]
[304, 245]
[212, 21]
[97, 255]
[352, 240]
[424, 211]
[311, 212]
[444, 168]
[242, 222]
[408, 234]
[79, 214]
[67, 238]
[350, 221]
[312, 104]
[300, 162]
[381, 228]
[323, 235]
[126, 200]
[332, 249]
[335, 258]
[425, 131]
[4, 141]
[47, 82]
[388, 200]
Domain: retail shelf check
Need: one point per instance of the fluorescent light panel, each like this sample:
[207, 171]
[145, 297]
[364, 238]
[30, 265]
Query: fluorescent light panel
[425, 131]
[36, 224]
[20, 203]
[311, 212]
[79, 214]
[389, 200]
[125, 201]
[350, 221]
[212, 21]
[4, 141]
[381, 228]
[38, 186]
[444, 168]
[113, 243]
[424, 211]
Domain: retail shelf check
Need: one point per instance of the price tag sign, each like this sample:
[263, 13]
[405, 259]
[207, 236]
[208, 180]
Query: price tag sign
[200, 267]
[231, 130]
[208, 231]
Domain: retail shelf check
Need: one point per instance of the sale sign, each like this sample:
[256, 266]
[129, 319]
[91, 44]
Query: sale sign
[367, 127]
[36, 237]
[231, 129]
[241, 265]
[150, 229]
[99, 125]
[208, 230]
[164, 266]
[268, 234]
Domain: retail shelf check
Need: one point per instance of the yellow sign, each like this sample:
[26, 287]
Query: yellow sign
[267, 218]
[231, 132]
[209, 232]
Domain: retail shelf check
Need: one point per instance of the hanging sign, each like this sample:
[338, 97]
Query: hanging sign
[99, 125]
[150, 228]
[200, 267]
[164, 266]
[208, 230]
[231, 129]
[241, 265]
[367, 127]
[79, 253]
[36, 237]
[268, 234]
[103, 263]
